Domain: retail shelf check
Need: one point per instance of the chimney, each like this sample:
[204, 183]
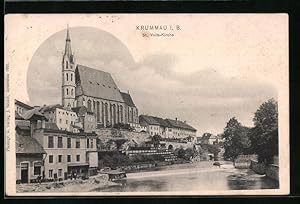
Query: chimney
[33, 127]
[43, 124]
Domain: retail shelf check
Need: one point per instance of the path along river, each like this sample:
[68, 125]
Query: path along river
[202, 176]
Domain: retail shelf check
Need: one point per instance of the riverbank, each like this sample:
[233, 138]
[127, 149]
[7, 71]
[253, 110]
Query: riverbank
[187, 165]
[196, 177]
[79, 185]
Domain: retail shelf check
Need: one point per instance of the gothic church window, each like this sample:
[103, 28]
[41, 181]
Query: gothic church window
[67, 91]
[67, 77]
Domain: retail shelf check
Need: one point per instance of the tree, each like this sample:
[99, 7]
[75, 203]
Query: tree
[264, 136]
[236, 139]
[189, 153]
[213, 149]
[156, 140]
[179, 152]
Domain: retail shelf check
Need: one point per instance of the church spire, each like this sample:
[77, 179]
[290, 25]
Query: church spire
[68, 50]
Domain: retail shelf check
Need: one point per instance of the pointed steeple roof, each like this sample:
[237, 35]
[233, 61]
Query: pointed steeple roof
[68, 34]
[68, 50]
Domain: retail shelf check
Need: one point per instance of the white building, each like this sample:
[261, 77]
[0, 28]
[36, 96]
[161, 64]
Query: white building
[167, 128]
[64, 119]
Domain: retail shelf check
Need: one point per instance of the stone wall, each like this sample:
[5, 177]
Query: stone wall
[112, 133]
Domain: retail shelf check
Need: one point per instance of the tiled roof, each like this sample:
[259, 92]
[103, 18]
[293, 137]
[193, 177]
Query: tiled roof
[180, 124]
[96, 83]
[128, 100]
[80, 110]
[33, 114]
[150, 120]
[28, 145]
[162, 122]
[25, 124]
[50, 107]
[22, 104]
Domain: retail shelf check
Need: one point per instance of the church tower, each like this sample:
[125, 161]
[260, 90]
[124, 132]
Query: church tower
[68, 75]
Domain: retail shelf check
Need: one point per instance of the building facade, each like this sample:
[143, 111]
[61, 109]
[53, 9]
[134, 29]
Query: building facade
[68, 153]
[131, 111]
[65, 153]
[29, 159]
[96, 90]
[86, 118]
[65, 119]
[21, 107]
[167, 128]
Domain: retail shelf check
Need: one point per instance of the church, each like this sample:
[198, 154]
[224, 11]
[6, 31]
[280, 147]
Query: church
[97, 91]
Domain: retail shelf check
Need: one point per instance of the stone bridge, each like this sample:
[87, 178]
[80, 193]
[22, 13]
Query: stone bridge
[175, 145]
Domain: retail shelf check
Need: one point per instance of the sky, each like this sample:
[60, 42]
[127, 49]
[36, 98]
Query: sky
[216, 67]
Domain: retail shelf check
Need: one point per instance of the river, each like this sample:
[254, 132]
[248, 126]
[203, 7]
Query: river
[202, 176]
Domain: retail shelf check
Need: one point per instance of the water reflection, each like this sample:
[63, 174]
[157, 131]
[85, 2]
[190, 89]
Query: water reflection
[193, 179]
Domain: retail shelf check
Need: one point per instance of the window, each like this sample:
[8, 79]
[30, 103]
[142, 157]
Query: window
[87, 143]
[66, 121]
[59, 142]
[51, 173]
[69, 144]
[92, 143]
[71, 92]
[89, 105]
[67, 77]
[77, 143]
[50, 142]
[37, 168]
[67, 91]
[59, 172]
[71, 78]
[59, 158]
[50, 159]
[78, 157]
[68, 158]
[67, 64]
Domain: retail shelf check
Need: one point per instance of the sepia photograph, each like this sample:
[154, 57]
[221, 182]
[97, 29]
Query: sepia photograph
[146, 104]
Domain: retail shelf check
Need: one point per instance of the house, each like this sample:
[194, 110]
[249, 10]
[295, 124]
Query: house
[65, 119]
[180, 129]
[66, 152]
[167, 128]
[21, 107]
[208, 138]
[86, 118]
[29, 159]
[149, 124]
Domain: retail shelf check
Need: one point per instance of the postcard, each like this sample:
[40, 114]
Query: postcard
[146, 104]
